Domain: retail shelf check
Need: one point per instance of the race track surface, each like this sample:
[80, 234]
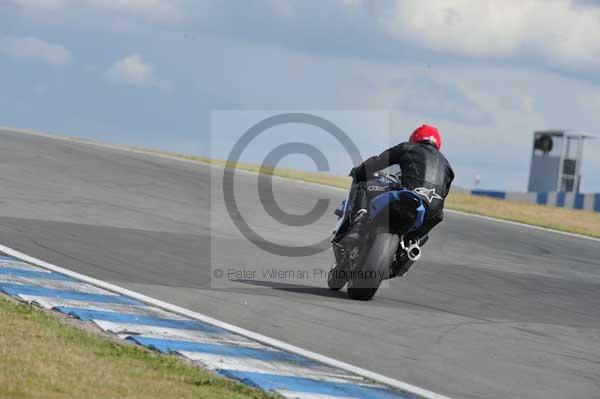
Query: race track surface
[493, 310]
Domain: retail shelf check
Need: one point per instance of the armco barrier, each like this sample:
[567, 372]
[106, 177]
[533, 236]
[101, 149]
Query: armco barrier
[589, 202]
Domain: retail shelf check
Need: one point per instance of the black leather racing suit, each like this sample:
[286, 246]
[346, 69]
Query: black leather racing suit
[424, 170]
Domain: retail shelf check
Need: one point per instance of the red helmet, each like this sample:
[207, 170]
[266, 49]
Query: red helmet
[427, 133]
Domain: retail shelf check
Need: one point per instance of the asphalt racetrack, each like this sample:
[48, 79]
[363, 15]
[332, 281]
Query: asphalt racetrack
[492, 310]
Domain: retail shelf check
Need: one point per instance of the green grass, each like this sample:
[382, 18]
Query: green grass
[569, 220]
[43, 357]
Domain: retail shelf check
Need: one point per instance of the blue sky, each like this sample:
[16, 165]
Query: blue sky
[149, 73]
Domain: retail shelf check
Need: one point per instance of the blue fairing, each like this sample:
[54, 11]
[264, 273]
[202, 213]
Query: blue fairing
[382, 201]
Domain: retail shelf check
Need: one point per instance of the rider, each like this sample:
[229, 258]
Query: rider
[424, 170]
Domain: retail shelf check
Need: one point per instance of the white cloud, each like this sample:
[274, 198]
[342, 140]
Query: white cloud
[34, 48]
[160, 10]
[133, 70]
[558, 30]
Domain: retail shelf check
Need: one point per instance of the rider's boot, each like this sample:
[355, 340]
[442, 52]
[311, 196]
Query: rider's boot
[355, 235]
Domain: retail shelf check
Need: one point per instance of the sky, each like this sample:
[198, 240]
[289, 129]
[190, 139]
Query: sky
[151, 73]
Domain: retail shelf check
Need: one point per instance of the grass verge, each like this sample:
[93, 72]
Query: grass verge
[569, 220]
[41, 356]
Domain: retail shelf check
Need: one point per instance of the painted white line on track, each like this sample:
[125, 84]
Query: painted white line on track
[296, 182]
[462, 213]
[391, 382]
[530, 226]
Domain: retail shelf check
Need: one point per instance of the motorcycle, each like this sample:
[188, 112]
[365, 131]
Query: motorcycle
[387, 248]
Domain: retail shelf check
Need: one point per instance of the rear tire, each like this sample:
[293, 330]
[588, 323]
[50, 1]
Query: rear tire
[375, 268]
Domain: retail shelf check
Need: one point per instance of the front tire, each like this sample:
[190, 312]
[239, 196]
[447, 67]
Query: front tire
[375, 268]
[336, 279]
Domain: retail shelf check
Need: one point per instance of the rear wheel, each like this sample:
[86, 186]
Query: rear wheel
[375, 268]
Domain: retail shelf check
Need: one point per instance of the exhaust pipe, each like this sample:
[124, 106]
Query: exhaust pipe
[414, 252]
